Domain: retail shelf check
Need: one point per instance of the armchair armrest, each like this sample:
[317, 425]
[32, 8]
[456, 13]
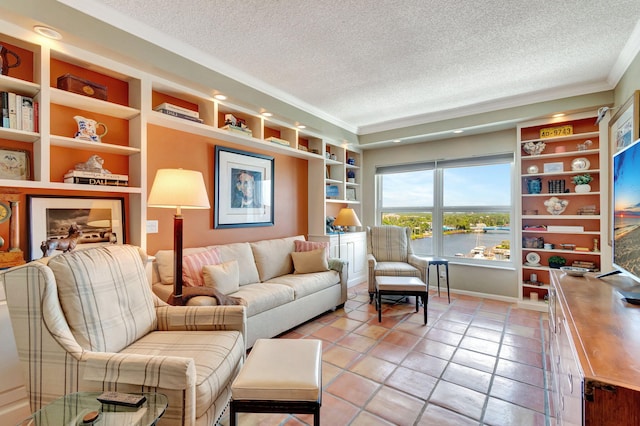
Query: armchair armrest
[199, 318]
[371, 260]
[422, 263]
[169, 372]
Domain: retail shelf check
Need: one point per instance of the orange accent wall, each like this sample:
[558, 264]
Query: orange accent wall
[173, 149]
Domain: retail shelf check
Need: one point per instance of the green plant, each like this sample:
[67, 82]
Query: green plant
[557, 261]
[582, 179]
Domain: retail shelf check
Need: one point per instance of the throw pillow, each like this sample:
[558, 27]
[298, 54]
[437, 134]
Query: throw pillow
[302, 246]
[310, 261]
[224, 277]
[192, 265]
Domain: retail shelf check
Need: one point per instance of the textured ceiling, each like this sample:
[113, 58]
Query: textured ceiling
[377, 65]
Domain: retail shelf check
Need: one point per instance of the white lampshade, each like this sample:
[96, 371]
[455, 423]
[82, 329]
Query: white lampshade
[347, 217]
[178, 188]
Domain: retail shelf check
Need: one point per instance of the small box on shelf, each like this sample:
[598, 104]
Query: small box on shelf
[81, 86]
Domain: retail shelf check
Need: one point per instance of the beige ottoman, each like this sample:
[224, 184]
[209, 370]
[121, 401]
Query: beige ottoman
[280, 376]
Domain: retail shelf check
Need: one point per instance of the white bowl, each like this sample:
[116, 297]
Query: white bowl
[574, 271]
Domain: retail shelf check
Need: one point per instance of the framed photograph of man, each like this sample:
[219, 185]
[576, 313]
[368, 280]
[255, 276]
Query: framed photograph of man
[243, 189]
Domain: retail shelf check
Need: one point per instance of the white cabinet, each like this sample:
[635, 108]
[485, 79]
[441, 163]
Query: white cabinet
[349, 246]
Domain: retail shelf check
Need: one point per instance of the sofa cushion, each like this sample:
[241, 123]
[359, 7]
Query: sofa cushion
[310, 261]
[242, 253]
[192, 265]
[302, 246]
[304, 285]
[105, 296]
[215, 354]
[164, 262]
[261, 297]
[273, 257]
[223, 277]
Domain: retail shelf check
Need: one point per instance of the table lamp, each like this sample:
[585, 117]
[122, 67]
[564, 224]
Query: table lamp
[179, 189]
[346, 217]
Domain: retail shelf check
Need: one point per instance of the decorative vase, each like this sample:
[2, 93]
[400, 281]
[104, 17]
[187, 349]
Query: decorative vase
[534, 185]
[581, 189]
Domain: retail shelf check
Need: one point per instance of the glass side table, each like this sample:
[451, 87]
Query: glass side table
[69, 410]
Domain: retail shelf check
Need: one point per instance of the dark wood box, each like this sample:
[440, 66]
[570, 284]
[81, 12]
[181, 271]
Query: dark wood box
[81, 86]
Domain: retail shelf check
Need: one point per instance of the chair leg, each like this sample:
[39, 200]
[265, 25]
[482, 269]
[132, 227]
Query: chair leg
[446, 267]
[379, 306]
[438, 278]
[371, 297]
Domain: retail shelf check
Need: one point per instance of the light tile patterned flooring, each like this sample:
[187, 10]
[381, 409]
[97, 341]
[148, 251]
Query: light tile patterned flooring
[477, 362]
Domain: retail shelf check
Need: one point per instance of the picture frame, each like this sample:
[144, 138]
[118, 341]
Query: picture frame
[244, 189]
[351, 194]
[101, 221]
[624, 127]
[553, 167]
[15, 164]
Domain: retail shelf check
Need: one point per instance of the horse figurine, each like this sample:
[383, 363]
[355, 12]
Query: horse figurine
[65, 244]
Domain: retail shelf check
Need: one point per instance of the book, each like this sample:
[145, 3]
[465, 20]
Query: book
[27, 113]
[96, 181]
[4, 104]
[178, 109]
[565, 228]
[18, 112]
[180, 115]
[12, 110]
[85, 174]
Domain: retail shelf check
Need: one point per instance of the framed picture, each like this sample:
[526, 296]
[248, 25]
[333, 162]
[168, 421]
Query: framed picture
[243, 189]
[623, 127]
[14, 164]
[87, 221]
[351, 194]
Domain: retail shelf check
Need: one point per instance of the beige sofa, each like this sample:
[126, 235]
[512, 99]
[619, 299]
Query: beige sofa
[277, 297]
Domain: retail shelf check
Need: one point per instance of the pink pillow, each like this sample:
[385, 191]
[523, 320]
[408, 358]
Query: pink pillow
[302, 246]
[192, 265]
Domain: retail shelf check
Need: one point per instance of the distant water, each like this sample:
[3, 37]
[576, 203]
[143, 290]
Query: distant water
[460, 243]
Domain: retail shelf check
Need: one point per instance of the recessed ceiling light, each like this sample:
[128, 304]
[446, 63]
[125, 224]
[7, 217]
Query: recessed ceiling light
[301, 126]
[396, 141]
[458, 131]
[558, 115]
[47, 32]
[220, 97]
[267, 114]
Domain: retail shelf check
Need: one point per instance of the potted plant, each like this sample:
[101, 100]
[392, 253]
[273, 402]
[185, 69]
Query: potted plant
[557, 261]
[582, 182]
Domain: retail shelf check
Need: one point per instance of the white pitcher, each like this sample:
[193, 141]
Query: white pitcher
[87, 129]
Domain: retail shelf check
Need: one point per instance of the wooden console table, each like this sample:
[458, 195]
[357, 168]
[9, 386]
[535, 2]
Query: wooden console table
[594, 350]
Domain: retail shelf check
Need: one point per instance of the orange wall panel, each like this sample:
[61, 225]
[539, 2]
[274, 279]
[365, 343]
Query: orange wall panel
[173, 149]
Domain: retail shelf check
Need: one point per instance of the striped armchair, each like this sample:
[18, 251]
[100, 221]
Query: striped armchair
[389, 253]
[88, 321]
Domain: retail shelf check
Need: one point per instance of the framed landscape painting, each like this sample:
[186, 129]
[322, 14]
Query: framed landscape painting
[89, 222]
[243, 189]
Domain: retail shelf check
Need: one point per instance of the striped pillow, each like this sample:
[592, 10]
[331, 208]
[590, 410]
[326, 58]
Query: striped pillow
[302, 246]
[192, 265]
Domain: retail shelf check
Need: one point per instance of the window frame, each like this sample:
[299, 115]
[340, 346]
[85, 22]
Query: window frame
[438, 209]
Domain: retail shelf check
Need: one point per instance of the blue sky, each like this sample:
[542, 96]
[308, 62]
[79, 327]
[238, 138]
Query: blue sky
[463, 186]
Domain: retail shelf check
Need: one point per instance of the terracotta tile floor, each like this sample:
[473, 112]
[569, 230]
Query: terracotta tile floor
[476, 362]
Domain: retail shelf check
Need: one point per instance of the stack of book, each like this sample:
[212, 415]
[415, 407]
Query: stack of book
[94, 178]
[18, 112]
[238, 129]
[278, 141]
[591, 266]
[180, 112]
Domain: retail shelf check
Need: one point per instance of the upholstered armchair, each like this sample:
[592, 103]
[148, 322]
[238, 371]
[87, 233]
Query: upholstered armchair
[88, 321]
[389, 253]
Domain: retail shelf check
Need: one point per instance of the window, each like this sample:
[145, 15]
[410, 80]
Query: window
[459, 208]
